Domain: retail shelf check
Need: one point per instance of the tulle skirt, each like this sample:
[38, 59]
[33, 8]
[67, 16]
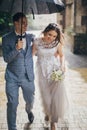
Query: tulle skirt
[53, 94]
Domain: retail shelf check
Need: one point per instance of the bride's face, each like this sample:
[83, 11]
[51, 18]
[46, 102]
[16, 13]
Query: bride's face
[50, 36]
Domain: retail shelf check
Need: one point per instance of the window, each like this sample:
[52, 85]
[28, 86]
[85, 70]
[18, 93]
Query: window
[84, 20]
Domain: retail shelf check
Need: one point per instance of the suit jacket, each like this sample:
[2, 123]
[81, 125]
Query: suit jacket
[18, 64]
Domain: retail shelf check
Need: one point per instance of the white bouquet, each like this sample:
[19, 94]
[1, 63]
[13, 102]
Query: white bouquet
[57, 75]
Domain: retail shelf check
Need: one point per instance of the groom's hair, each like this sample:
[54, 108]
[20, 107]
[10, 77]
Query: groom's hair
[17, 16]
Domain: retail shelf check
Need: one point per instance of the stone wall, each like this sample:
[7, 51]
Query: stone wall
[80, 44]
[76, 24]
[81, 11]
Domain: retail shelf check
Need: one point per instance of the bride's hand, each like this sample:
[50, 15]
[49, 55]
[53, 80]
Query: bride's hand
[56, 54]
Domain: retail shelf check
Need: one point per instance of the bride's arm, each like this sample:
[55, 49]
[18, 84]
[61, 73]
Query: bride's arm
[34, 49]
[61, 56]
[62, 42]
[62, 39]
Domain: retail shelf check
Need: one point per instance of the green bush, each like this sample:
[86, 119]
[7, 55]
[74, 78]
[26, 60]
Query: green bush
[5, 22]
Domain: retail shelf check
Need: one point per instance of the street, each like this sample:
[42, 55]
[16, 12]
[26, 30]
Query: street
[76, 87]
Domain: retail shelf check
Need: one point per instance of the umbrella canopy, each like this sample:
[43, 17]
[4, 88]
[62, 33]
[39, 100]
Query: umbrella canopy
[31, 6]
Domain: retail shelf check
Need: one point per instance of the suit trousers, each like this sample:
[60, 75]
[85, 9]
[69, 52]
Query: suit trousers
[12, 92]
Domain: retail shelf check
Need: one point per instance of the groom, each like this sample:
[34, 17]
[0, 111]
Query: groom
[19, 72]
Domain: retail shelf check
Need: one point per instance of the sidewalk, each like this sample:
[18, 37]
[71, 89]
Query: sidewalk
[76, 86]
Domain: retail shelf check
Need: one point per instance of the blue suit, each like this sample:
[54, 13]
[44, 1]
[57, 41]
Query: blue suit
[19, 73]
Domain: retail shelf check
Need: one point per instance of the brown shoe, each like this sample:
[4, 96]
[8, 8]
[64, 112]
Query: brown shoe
[52, 126]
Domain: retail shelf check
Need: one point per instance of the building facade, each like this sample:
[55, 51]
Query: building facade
[75, 23]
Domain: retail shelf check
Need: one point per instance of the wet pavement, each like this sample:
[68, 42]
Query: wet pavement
[76, 87]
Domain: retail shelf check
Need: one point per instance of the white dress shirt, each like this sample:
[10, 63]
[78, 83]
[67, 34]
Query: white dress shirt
[23, 39]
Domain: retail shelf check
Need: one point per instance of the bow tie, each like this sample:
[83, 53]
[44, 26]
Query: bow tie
[21, 36]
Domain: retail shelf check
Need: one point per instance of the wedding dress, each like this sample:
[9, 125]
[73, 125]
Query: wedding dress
[53, 93]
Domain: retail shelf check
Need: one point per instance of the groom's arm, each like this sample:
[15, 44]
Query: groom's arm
[8, 54]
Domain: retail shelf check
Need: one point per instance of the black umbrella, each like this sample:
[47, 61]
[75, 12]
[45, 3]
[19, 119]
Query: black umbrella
[27, 6]
[31, 6]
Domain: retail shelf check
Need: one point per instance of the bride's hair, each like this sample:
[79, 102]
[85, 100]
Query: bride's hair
[56, 28]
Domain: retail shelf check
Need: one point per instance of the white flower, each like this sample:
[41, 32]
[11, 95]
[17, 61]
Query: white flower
[57, 75]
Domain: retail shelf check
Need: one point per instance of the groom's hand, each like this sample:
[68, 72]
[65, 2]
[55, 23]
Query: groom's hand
[19, 45]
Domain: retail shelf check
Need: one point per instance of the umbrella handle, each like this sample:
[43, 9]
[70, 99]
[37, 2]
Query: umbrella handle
[32, 13]
[21, 37]
[22, 19]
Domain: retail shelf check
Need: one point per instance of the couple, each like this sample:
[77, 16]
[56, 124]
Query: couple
[19, 72]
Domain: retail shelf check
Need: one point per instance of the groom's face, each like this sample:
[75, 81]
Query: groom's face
[21, 23]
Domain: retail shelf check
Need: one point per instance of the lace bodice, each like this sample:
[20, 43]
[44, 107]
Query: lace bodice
[46, 58]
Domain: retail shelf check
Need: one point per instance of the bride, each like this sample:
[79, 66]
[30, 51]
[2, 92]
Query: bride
[50, 58]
